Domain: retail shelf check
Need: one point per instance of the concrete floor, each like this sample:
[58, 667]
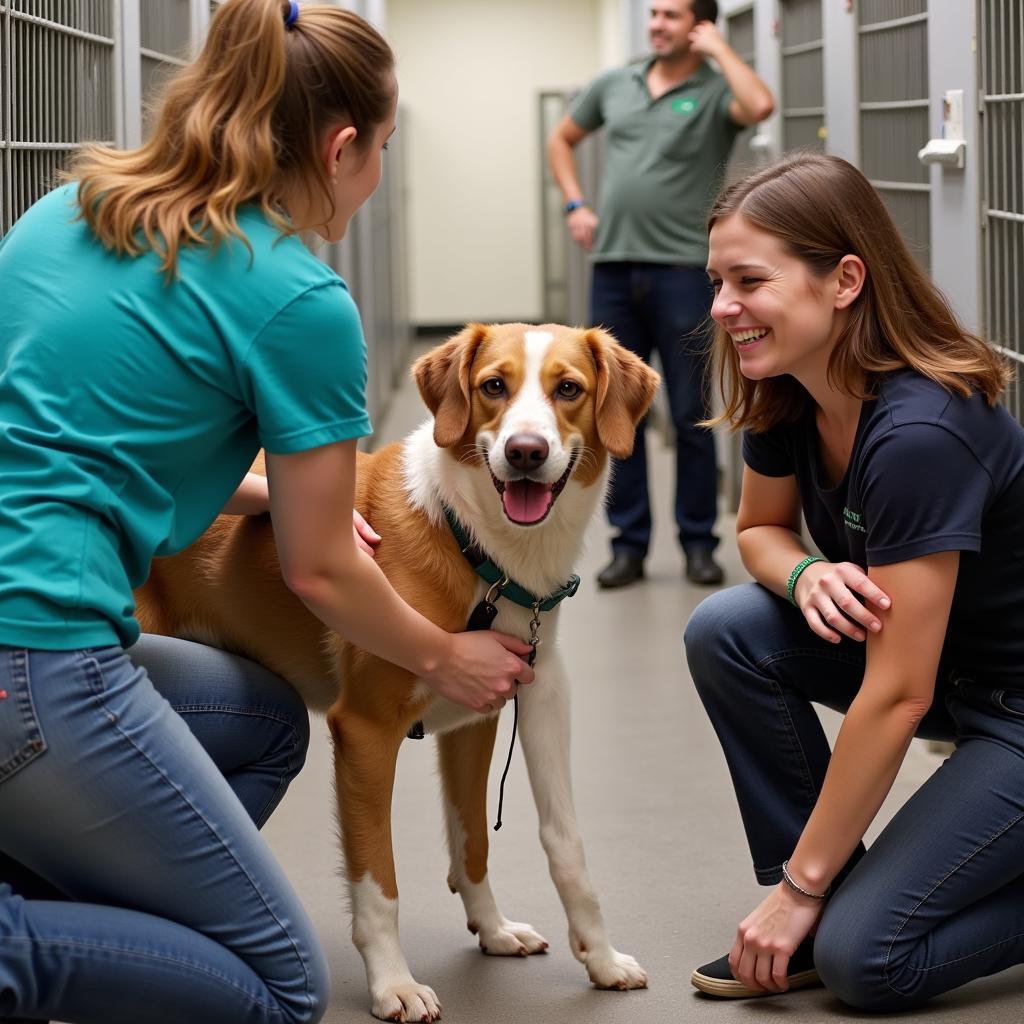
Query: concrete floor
[663, 837]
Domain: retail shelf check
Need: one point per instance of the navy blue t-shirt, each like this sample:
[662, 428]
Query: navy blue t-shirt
[930, 471]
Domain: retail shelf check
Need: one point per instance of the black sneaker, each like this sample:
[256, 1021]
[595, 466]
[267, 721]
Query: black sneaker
[715, 978]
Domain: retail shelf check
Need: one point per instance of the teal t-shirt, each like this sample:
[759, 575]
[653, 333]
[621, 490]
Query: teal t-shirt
[130, 408]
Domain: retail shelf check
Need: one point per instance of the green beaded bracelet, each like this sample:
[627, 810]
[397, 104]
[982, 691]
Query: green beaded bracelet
[795, 575]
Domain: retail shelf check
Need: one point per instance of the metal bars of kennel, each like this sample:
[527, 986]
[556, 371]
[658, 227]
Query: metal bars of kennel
[894, 125]
[165, 34]
[803, 81]
[59, 86]
[1001, 102]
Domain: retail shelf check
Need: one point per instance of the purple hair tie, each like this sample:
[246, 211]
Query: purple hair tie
[293, 14]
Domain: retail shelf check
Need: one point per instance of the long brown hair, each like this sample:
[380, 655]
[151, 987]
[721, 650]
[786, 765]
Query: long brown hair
[239, 124]
[822, 208]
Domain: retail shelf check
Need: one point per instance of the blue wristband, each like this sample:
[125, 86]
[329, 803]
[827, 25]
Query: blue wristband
[573, 204]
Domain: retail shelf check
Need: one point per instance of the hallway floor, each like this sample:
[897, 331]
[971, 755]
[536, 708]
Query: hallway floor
[663, 838]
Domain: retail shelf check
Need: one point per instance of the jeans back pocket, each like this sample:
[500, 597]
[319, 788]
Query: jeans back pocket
[21, 739]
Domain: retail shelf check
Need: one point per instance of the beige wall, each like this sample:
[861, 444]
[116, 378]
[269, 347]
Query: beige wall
[469, 73]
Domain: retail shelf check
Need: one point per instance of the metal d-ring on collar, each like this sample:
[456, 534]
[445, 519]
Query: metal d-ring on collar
[496, 588]
[487, 570]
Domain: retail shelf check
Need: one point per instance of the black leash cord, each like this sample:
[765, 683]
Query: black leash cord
[508, 763]
[511, 746]
[481, 618]
[534, 640]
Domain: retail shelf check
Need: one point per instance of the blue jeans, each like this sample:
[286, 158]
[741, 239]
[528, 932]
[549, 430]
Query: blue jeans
[648, 307]
[134, 884]
[938, 899]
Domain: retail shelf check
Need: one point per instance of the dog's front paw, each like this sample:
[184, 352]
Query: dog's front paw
[406, 1001]
[510, 938]
[615, 970]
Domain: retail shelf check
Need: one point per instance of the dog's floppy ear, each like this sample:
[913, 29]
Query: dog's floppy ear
[442, 376]
[625, 390]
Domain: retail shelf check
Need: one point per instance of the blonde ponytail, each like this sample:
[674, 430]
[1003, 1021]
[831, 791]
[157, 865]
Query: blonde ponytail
[234, 126]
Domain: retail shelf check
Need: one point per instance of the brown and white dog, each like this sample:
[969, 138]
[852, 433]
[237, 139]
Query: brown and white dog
[524, 421]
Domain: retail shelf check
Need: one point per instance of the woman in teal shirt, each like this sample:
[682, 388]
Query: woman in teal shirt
[162, 321]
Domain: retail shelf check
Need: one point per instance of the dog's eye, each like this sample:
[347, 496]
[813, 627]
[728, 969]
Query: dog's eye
[569, 389]
[493, 387]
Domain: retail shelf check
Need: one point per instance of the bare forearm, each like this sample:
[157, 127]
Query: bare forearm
[563, 166]
[868, 753]
[358, 603]
[770, 553]
[752, 95]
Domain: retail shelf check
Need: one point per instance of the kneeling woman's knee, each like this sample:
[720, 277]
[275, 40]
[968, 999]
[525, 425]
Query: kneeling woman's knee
[320, 988]
[300, 723]
[712, 630]
[852, 967]
[306, 1003]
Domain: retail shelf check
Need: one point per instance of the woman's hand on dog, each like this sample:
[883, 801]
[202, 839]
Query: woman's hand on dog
[481, 670]
[366, 537]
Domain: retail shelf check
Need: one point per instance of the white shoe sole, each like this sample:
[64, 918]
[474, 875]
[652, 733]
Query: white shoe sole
[732, 989]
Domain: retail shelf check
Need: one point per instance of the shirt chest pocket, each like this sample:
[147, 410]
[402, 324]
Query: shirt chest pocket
[679, 129]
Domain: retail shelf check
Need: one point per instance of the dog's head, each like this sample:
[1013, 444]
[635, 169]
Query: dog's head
[536, 405]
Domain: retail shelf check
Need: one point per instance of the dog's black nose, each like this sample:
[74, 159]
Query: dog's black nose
[526, 451]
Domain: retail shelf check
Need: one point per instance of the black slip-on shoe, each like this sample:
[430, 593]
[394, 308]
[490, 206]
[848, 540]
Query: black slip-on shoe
[623, 569]
[715, 978]
[702, 568]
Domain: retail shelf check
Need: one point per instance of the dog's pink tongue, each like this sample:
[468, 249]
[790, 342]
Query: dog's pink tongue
[526, 501]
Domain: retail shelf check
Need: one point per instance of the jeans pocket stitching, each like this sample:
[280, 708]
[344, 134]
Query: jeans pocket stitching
[93, 674]
[97, 684]
[35, 742]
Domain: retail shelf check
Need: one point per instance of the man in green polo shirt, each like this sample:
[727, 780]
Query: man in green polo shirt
[670, 122]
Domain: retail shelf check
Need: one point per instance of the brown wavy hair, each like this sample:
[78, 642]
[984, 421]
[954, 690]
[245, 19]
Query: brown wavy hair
[240, 124]
[822, 208]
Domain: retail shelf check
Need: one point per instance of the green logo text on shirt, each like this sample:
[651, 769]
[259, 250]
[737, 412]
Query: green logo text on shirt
[853, 520]
[684, 105]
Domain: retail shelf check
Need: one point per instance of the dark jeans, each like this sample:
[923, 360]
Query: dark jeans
[648, 307]
[938, 899]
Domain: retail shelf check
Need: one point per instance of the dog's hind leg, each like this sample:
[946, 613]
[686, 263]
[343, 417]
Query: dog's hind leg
[465, 756]
[366, 743]
[544, 728]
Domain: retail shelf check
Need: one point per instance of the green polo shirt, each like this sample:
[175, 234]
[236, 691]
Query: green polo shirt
[664, 162]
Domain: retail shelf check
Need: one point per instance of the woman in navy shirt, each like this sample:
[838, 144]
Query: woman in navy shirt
[870, 411]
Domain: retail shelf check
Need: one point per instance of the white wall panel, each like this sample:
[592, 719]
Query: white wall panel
[470, 73]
